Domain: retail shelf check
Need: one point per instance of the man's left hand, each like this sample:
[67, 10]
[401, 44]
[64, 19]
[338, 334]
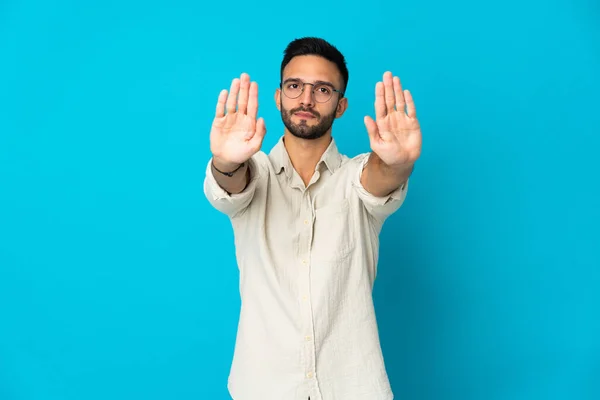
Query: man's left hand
[395, 135]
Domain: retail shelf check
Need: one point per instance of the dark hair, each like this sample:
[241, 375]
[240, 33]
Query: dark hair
[318, 47]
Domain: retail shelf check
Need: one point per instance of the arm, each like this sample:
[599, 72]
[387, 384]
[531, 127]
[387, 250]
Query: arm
[380, 180]
[235, 179]
[236, 136]
[395, 139]
[220, 191]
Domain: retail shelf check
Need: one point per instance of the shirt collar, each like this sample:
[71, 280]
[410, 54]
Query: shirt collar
[281, 160]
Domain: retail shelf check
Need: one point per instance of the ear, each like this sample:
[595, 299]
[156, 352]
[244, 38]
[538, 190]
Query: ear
[278, 98]
[341, 107]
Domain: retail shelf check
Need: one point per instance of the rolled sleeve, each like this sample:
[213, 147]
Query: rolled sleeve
[380, 207]
[228, 203]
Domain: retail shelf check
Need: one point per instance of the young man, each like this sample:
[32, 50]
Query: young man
[306, 222]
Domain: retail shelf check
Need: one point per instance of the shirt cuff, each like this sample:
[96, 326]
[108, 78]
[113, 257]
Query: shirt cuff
[230, 203]
[397, 195]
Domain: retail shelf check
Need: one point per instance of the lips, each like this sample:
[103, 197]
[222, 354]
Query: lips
[304, 115]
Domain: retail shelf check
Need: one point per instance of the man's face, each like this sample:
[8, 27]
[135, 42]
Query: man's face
[308, 116]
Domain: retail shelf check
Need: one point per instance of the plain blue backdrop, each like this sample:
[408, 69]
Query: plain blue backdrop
[118, 281]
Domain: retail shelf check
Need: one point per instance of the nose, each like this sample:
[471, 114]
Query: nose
[307, 98]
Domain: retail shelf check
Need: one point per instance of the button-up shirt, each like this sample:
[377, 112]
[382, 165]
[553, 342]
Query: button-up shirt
[307, 258]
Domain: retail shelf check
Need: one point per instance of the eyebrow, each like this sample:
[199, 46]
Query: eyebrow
[315, 82]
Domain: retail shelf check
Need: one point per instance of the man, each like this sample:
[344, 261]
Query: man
[306, 222]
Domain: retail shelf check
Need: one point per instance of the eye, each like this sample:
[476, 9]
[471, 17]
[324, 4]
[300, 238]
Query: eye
[324, 89]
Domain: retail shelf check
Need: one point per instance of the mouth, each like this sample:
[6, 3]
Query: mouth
[304, 115]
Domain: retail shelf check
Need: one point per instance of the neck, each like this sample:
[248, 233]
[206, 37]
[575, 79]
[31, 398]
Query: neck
[305, 154]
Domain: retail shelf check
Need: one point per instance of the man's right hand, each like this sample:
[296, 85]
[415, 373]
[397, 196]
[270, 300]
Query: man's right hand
[236, 134]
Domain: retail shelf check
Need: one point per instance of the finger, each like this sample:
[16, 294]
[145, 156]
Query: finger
[243, 97]
[221, 104]
[388, 86]
[253, 101]
[233, 93]
[380, 110]
[372, 129]
[410, 104]
[400, 101]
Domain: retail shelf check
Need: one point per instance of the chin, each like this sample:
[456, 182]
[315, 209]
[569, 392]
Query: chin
[308, 135]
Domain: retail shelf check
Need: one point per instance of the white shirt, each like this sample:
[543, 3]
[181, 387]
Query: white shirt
[307, 258]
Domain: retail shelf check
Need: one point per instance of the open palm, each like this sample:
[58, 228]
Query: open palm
[236, 134]
[395, 135]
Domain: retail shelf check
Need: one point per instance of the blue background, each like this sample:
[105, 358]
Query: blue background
[118, 281]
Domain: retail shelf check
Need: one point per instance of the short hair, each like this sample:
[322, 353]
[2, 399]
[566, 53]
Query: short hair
[318, 47]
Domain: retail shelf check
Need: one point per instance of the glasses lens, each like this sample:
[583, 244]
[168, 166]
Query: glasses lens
[292, 89]
[323, 93]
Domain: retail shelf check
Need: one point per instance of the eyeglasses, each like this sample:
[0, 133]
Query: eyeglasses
[322, 91]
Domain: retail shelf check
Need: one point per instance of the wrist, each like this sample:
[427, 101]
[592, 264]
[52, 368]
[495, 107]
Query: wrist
[224, 166]
[232, 171]
[398, 170]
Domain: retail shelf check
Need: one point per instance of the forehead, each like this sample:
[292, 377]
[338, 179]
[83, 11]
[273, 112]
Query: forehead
[312, 68]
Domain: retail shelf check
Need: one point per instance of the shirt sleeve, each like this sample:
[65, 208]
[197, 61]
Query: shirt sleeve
[227, 203]
[379, 207]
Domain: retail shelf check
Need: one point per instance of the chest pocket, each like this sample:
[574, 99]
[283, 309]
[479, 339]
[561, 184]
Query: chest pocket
[333, 232]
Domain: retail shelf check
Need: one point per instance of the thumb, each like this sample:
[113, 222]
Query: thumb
[261, 130]
[372, 129]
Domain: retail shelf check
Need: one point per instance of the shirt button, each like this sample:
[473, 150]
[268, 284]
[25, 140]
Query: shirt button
[305, 222]
[309, 375]
[304, 262]
[307, 338]
[304, 298]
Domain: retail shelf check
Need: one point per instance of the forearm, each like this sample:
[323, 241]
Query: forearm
[380, 179]
[237, 182]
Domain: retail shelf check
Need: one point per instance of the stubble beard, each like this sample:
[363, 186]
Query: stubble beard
[304, 131]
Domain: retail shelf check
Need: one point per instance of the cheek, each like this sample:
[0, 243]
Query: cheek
[328, 111]
[286, 106]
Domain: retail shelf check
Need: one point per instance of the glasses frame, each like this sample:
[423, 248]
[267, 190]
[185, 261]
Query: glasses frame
[312, 91]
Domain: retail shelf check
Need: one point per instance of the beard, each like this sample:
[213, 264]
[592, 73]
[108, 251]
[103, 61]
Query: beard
[303, 130]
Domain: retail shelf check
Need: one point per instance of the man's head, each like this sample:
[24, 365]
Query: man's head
[314, 78]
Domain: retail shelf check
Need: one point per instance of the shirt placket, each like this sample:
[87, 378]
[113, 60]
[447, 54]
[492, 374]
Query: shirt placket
[308, 342]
